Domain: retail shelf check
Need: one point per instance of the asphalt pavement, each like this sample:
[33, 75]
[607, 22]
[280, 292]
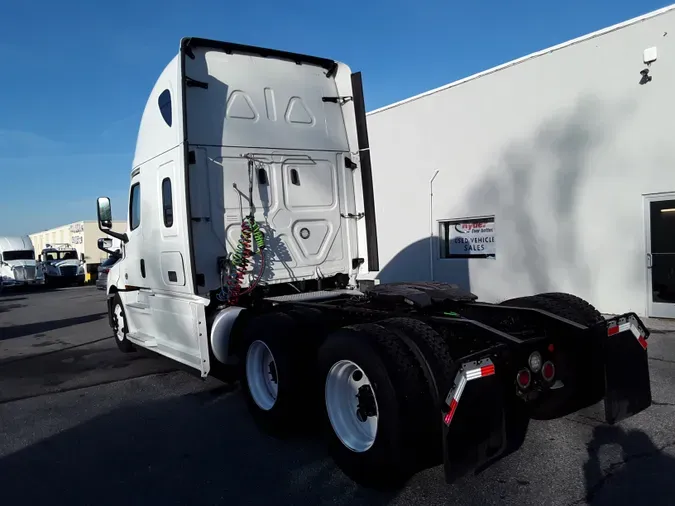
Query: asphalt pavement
[82, 423]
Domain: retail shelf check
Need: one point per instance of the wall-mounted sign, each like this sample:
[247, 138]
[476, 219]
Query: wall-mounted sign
[77, 227]
[76, 239]
[468, 238]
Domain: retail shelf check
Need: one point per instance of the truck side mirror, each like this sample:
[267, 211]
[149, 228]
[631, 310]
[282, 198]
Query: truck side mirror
[104, 244]
[82, 257]
[104, 210]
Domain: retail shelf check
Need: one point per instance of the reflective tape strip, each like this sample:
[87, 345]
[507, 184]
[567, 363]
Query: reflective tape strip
[623, 326]
[480, 372]
[451, 413]
[487, 370]
[469, 371]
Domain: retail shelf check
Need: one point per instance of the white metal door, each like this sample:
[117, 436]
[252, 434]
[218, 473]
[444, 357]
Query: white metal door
[134, 263]
[660, 261]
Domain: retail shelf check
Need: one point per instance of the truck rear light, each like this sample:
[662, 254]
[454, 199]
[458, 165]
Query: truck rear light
[523, 378]
[548, 371]
[535, 362]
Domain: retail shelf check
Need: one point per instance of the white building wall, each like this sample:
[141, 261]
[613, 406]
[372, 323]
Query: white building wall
[560, 148]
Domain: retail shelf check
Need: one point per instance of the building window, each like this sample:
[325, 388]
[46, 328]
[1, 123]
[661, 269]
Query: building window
[167, 202]
[164, 102]
[135, 206]
[468, 238]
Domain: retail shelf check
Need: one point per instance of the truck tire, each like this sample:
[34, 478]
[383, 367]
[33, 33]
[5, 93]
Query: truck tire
[312, 325]
[578, 394]
[578, 309]
[119, 321]
[561, 304]
[433, 355]
[274, 371]
[374, 392]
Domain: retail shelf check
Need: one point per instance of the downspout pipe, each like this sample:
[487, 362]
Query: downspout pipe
[431, 224]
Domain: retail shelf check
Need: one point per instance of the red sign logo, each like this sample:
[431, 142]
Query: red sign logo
[465, 228]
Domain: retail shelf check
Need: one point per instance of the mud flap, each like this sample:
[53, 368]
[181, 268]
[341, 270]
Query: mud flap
[627, 382]
[474, 428]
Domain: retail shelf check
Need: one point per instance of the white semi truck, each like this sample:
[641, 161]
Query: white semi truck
[62, 265]
[251, 250]
[18, 266]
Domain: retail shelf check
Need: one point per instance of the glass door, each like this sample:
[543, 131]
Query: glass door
[660, 228]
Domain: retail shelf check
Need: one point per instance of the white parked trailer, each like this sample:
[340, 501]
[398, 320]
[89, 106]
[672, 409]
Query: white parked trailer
[249, 253]
[569, 150]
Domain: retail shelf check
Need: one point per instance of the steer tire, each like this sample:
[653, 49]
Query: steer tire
[120, 334]
[401, 393]
[278, 333]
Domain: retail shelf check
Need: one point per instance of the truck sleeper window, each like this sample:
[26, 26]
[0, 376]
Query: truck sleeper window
[135, 206]
[167, 202]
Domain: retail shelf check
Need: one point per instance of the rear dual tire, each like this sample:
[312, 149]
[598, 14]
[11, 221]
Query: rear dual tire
[277, 351]
[390, 363]
[378, 439]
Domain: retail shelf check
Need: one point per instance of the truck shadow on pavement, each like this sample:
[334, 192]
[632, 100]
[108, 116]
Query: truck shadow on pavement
[12, 299]
[15, 331]
[625, 467]
[5, 308]
[19, 290]
[199, 448]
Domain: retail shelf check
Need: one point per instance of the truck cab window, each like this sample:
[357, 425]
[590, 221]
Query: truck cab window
[135, 206]
[167, 202]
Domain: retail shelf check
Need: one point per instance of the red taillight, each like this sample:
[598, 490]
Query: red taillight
[548, 371]
[551, 348]
[106, 271]
[524, 378]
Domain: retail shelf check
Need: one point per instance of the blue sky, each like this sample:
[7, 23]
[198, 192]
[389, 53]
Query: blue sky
[76, 74]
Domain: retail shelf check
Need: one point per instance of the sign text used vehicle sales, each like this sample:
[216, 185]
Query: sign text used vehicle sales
[472, 238]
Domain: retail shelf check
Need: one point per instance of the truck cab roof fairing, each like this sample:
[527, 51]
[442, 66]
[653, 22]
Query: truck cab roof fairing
[188, 43]
[161, 127]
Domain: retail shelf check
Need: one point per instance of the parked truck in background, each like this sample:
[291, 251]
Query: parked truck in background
[18, 266]
[62, 265]
[251, 251]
